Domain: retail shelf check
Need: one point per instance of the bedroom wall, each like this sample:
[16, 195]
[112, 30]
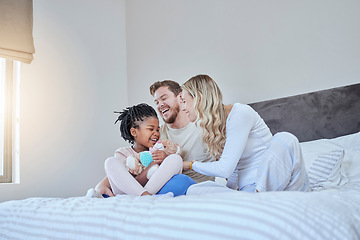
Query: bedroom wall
[255, 50]
[68, 95]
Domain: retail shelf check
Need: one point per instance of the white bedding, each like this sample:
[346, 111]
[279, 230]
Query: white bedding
[328, 213]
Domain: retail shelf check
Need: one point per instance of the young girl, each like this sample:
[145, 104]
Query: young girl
[140, 126]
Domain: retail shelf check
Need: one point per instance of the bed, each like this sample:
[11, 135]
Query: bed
[326, 122]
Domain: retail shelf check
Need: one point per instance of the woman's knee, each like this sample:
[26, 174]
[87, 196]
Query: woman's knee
[286, 136]
[289, 140]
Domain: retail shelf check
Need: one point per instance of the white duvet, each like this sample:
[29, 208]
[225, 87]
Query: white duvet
[327, 213]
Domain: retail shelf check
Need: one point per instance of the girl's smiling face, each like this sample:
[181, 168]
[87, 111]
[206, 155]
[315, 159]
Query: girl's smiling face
[146, 134]
[188, 105]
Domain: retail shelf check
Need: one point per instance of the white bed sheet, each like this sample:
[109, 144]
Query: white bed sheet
[326, 214]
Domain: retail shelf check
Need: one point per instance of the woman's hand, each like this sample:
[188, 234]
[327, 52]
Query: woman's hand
[158, 156]
[103, 187]
[186, 165]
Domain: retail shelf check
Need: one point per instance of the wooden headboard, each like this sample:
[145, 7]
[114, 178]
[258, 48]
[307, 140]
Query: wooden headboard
[323, 114]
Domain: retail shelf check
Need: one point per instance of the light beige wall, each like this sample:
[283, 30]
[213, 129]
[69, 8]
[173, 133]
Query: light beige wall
[68, 95]
[255, 50]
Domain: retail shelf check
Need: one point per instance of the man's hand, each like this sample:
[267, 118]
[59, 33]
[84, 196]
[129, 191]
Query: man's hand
[103, 187]
[158, 156]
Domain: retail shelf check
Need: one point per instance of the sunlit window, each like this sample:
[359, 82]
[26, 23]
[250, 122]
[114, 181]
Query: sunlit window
[9, 118]
[2, 113]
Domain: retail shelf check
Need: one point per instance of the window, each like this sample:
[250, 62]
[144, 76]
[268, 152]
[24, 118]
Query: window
[9, 118]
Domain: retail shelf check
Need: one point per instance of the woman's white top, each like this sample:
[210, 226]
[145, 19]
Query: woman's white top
[247, 137]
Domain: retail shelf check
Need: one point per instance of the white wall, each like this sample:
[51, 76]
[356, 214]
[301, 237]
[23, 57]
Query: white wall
[255, 50]
[68, 95]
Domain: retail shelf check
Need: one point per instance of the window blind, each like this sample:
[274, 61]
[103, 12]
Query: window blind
[16, 25]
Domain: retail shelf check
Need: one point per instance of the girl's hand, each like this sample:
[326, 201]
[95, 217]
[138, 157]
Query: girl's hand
[142, 177]
[104, 187]
[158, 156]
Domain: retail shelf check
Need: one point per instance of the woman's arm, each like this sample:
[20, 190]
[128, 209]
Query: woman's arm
[238, 126]
[187, 164]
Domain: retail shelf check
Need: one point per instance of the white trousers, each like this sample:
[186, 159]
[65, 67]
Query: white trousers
[282, 166]
[281, 169]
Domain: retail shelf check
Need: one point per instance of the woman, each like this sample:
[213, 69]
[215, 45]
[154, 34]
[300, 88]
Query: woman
[247, 154]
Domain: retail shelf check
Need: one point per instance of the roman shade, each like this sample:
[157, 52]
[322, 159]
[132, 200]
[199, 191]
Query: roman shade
[16, 24]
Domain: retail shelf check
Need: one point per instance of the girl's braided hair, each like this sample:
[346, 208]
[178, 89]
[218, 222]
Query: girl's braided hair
[130, 118]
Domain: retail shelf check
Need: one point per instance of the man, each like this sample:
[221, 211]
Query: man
[177, 128]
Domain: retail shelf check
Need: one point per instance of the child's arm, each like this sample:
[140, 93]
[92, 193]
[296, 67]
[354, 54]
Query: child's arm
[121, 180]
[103, 187]
[159, 156]
[142, 178]
[164, 149]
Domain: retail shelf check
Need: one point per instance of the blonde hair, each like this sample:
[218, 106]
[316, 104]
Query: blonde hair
[210, 111]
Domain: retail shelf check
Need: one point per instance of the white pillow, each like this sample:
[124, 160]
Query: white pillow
[351, 162]
[323, 162]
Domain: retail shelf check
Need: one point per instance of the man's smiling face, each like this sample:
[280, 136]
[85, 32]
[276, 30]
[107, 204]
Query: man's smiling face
[167, 104]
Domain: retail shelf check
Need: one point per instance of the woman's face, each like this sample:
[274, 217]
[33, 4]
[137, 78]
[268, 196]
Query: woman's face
[188, 105]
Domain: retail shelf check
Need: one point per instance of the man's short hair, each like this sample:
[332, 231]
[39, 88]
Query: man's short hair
[172, 85]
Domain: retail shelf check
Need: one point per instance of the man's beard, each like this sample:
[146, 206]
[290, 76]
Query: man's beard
[171, 119]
